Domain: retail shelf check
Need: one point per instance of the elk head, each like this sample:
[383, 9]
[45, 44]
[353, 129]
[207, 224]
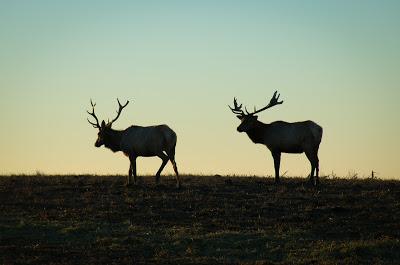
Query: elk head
[249, 119]
[104, 128]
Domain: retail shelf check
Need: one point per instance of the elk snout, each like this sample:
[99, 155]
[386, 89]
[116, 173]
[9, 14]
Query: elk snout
[243, 127]
[98, 143]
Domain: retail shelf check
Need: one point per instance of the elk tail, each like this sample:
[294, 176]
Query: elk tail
[170, 140]
[317, 133]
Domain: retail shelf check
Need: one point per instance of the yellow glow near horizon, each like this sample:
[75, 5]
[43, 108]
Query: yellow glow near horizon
[181, 64]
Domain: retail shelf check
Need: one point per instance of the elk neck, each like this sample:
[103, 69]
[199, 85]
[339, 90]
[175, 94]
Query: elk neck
[112, 139]
[257, 133]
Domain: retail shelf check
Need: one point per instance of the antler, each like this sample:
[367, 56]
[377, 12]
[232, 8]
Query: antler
[274, 101]
[119, 110]
[237, 108]
[97, 124]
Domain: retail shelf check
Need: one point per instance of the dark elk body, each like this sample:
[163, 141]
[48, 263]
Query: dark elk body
[282, 137]
[136, 141]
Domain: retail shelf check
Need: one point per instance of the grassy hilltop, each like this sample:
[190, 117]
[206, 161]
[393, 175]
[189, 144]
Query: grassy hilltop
[211, 220]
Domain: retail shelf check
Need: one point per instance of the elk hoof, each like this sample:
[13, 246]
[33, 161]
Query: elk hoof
[157, 179]
[312, 181]
[178, 185]
[316, 182]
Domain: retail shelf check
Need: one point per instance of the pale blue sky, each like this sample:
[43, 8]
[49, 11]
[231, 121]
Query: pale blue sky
[181, 63]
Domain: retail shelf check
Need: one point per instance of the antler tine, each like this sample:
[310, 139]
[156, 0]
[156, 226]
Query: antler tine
[274, 101]
[236, 104]
[97, 124]
[248, 113]
[93, 124]
[120, 108]
[237, 108]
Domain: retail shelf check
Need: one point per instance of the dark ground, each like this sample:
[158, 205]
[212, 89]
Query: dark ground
[211, 220]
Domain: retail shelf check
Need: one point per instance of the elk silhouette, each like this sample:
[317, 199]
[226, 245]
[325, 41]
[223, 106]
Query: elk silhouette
[282, 137]
[135, 141]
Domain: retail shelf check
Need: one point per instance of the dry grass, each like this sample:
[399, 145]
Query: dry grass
[211, 220]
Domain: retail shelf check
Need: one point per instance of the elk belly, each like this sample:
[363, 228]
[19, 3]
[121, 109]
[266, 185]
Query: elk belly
[293, 151]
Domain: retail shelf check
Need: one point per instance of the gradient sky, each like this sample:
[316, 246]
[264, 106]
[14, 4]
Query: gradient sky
[181, 63]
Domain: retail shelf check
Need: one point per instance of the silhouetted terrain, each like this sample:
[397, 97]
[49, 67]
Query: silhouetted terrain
[211, 220]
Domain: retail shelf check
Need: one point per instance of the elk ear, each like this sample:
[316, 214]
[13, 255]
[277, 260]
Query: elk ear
[103, 124]
[239, 117]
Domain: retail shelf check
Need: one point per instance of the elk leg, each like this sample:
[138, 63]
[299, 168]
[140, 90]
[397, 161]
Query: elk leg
[165, 159]
[133, 169]
[171, 155]
[175, 167]
[313, 158]
[178, 181]
[129, 175]
[317, 171]
[277, 162]
[312, 179]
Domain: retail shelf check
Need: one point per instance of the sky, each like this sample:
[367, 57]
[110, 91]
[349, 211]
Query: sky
[181, 63]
